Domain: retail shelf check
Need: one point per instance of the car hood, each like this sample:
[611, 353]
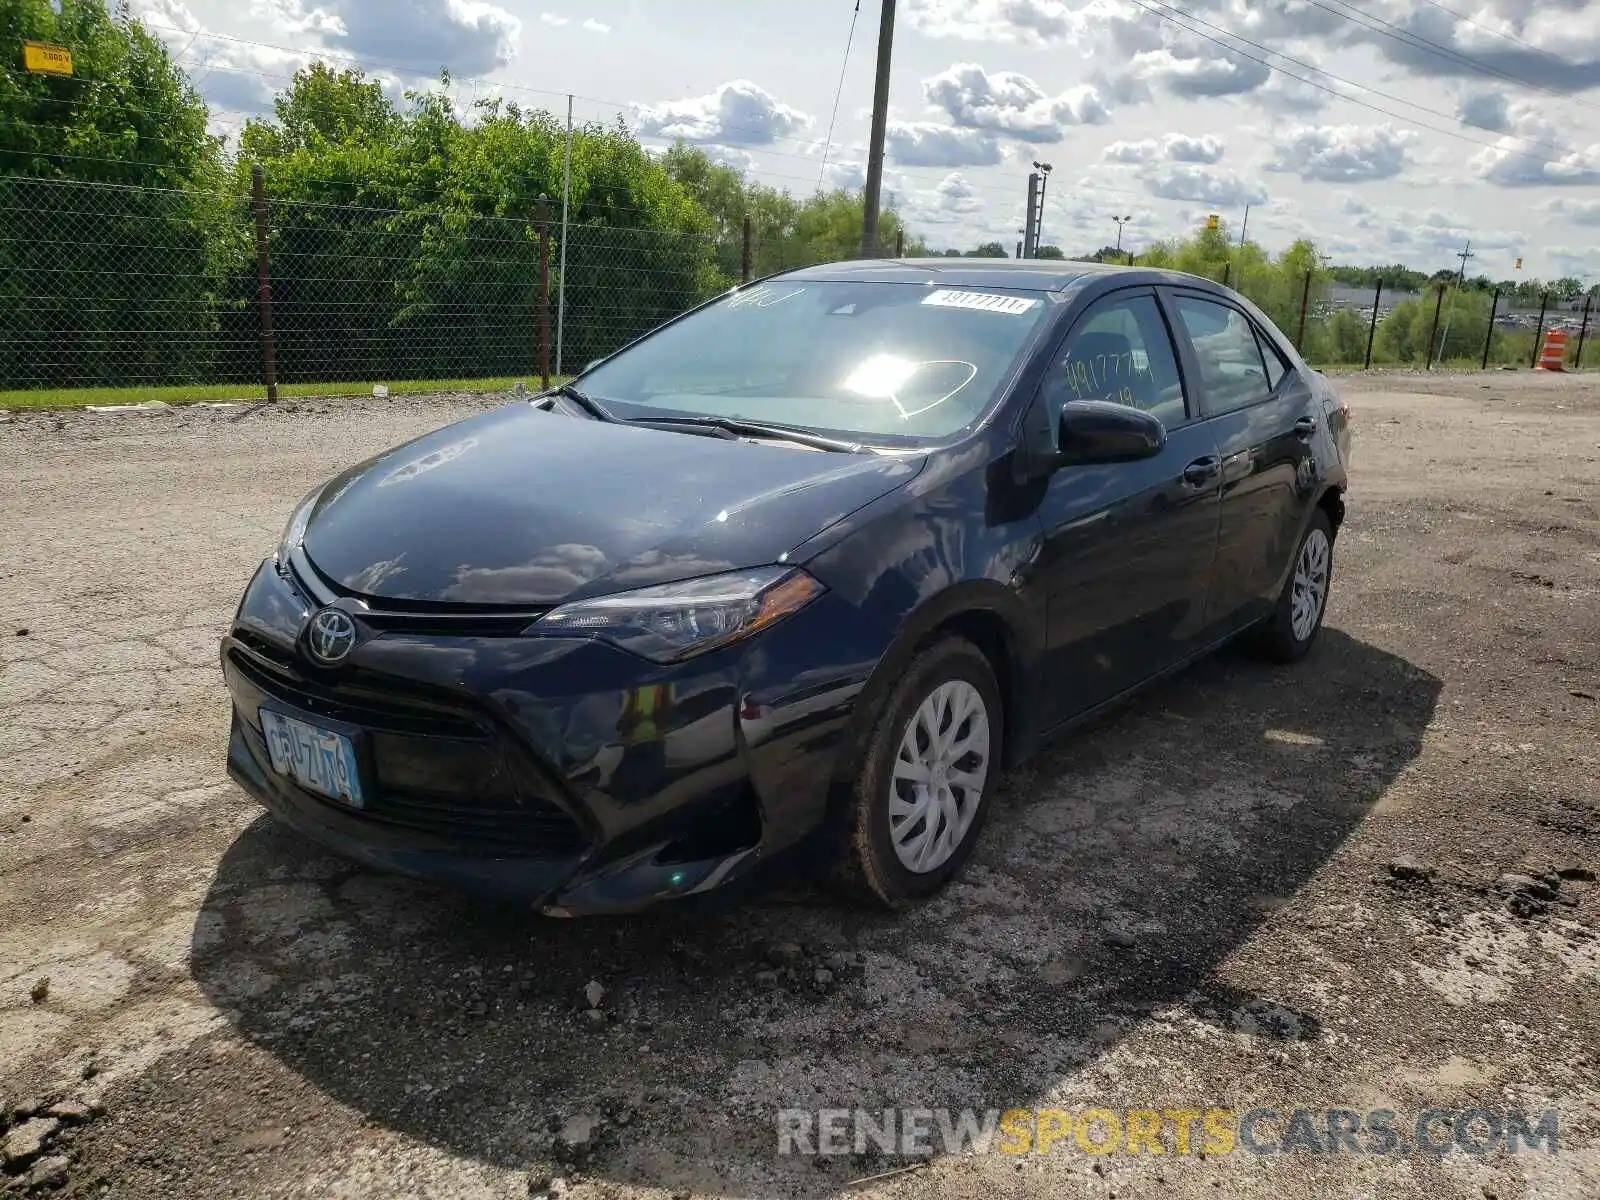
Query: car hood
[526, 508]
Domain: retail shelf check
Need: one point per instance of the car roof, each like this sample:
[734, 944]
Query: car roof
[1048, 275]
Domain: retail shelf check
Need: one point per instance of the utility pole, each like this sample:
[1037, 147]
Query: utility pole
[880, 124]
[1030, 233]
[1245, 225]
[1461, 283]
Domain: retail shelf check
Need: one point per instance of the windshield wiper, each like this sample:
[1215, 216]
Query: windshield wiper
[583, 400]
[738, 427]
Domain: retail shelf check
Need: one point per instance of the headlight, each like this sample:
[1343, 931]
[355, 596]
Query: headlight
[679, 620]
[295, 531]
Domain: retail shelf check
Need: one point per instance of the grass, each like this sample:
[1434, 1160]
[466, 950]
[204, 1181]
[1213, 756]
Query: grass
[197, 393]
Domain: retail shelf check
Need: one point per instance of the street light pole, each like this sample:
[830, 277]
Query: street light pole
[880, 124]
[1121, 221]
[1044, 170]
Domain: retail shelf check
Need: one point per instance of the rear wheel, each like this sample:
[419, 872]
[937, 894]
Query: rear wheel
[1287, 636]
[921, 797]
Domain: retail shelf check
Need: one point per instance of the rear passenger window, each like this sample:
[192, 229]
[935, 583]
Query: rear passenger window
[1276, 367]
[1231, 366]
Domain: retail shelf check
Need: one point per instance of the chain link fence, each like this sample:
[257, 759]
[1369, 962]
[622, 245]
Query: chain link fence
[109, 287]
[1447, 325]
[105, 287]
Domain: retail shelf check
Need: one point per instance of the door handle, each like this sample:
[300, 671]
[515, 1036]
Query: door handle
[1304, 428]
[1202, 471]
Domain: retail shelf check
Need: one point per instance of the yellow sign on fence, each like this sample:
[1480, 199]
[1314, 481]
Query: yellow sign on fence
[46, 59]
[1213, 221]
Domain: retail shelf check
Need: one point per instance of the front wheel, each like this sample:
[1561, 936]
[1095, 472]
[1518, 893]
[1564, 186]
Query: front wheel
[1289, 633]
[920, 799]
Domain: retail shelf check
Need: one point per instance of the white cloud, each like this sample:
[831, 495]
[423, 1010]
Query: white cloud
[1485, 110]
[1200, 71]
[1343, 153]
[234, 77]
[929, 144]
[730, 156]
[1039, 21]
[848, 174]
[1535, 151]
[469, 37]
[1012, 104]
[1555, 43]
[547, 18]
[1574, 212]
[1203, 185]
[952, 201]
[594, 26]
[739, 113]
[291, 16]
[1173, 147]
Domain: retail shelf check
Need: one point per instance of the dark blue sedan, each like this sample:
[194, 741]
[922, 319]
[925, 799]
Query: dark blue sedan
[813, 562]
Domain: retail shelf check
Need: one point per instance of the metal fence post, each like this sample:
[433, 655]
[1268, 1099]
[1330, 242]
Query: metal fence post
[1488, 338]
[1583, 330]
[269, 347]
[744, 253]
[544, 290]
[1227, 273]
[1538, 334]
[1372, 329]
[899, 243]
[561, 284]
[1305, 303]
[1433, 334]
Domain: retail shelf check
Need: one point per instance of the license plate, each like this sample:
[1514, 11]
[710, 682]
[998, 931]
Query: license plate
[317, 759]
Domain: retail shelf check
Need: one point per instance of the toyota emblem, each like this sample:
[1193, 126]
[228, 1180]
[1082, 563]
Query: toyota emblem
[331, 636]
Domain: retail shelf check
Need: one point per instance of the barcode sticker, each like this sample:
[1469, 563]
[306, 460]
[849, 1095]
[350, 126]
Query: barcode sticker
[1011, 306]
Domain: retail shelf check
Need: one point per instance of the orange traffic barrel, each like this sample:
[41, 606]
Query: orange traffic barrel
[1555, 351]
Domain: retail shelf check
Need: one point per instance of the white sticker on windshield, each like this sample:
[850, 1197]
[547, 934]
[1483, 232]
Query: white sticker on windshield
[1011, 306]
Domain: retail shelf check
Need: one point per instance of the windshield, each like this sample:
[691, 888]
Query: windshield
[885, 361]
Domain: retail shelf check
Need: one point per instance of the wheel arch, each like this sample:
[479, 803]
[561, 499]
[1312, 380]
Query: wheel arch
[993, 619]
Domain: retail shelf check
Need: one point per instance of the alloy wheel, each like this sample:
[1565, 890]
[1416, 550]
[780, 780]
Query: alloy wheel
[1310, 584]
[939, 775]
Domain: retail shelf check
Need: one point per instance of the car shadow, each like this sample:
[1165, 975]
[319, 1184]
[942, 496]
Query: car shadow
[1119, 871]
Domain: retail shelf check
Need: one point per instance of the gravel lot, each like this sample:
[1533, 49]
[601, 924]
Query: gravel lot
[1253, 886]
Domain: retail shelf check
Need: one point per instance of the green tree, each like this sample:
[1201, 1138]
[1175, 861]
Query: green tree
[126, 114]
[990, 250]
[118, 233]
[406, 241]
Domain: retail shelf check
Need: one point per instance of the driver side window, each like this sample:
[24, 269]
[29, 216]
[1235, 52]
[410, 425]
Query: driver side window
[1121, 352]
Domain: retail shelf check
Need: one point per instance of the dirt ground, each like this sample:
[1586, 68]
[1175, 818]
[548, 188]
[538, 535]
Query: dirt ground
[1252, 887]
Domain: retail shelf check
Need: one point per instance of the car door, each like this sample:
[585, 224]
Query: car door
[1262, 415]
[1128, 547]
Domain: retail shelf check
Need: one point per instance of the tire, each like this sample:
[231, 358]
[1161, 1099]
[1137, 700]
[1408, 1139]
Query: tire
[886, 854]
[1288, 635]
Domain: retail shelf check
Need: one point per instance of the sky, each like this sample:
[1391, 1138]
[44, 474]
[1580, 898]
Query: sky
[1384, 130]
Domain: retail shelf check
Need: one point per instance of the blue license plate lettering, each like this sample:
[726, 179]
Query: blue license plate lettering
[318, 759]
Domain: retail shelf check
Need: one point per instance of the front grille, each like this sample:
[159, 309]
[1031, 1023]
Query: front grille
[424, 618]
[429, 771]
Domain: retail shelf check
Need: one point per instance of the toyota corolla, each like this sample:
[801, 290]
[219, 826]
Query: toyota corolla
[812, 563]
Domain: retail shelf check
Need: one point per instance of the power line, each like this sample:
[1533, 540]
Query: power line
[1164, 11]
[1406, 38]
[838, 94]
[1510, 37]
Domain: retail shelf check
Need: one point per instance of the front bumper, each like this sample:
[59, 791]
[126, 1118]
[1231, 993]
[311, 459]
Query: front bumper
[505, 767]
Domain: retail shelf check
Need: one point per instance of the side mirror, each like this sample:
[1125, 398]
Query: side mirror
[1097, 431]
